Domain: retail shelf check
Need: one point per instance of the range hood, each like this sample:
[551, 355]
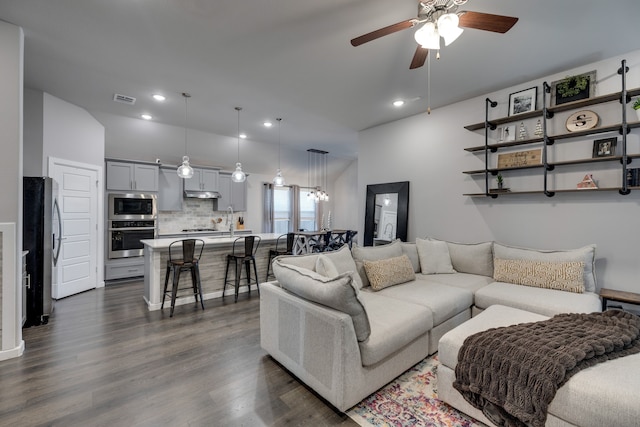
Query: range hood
[201, 194]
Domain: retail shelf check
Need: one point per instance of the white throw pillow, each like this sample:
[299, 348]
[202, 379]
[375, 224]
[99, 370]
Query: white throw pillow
[434, 257]
[326, 267]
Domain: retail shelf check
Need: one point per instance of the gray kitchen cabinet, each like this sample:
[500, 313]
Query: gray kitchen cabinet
[233, 194]
[170, 194]
[129, 176]
[202, 180]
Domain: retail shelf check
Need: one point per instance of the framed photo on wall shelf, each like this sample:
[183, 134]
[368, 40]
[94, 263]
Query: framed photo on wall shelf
[506, 133]
[573, 88]
[523, 101]
[605, 147]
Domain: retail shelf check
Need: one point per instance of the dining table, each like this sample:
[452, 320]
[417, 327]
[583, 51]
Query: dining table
[318, 241]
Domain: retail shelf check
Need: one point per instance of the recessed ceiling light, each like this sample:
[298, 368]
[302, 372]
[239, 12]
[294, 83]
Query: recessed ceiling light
[159, 97]
[267, 124]
[398, 103]
[243, 135]
[146, 116]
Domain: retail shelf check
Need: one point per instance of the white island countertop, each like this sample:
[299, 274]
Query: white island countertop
[212, 266]
[209, 241]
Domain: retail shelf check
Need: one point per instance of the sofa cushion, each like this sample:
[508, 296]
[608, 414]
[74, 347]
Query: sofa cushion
[340, 292]
[326, 267]
[585, 254]
[410, 250]
[434, 257]
[471, 282]
[472, 258]
[444, 301]
[342, 260]
[562, 276]
[373, 253]
[394, 324]
[547, 302]
[388, 272]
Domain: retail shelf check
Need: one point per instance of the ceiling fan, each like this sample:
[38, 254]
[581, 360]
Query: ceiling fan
[440, 18]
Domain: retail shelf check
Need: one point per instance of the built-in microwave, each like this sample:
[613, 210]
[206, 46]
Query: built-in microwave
[132, 207]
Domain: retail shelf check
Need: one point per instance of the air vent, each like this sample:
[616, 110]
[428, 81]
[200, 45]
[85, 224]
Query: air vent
[125, 99]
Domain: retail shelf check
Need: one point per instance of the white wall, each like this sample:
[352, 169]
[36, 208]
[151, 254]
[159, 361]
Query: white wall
[71, 133]
[11, 95]
[428, 151]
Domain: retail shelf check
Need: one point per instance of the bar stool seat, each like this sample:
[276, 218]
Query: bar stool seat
[191, 253]
[240, 258]
[279, 250]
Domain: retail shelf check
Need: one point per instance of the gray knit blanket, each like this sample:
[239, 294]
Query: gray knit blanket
[513, 373]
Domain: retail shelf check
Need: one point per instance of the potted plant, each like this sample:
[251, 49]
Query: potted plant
[500, 181]
[636, 106]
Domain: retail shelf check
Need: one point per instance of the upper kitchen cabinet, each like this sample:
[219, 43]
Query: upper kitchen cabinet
[202, 180]
[232, 194]
[170, 193]
[129, 176]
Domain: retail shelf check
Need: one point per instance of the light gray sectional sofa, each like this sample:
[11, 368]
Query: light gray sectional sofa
[348, 322]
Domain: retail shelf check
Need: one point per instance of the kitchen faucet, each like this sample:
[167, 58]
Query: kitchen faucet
[230, 222]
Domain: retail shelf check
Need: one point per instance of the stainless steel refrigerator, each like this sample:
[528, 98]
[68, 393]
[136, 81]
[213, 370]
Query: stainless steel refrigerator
[41, 234]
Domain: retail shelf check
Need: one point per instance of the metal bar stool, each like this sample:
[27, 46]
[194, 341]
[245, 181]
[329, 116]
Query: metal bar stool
[246, 258]
[191, 253]
[291, 237]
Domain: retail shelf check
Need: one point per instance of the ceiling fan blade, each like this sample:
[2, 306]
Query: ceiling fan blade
[487, 21]
[383, 32]
[419, 57]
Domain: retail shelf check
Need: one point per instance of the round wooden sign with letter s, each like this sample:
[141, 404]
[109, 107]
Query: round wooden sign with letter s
[582, 120]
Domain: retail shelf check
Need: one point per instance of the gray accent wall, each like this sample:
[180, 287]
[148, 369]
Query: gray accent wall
[428, 151]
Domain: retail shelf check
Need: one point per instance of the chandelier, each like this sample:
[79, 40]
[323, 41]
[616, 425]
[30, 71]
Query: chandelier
[317, 175]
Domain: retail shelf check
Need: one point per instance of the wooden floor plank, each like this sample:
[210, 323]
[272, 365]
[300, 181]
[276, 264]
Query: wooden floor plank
[105, 360]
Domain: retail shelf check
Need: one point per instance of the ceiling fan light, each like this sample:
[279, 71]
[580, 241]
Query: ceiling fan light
[427, 36]
[448, 27]
[185, 170]
[238, 175]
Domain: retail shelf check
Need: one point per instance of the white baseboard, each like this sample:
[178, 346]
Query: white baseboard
[12, 353]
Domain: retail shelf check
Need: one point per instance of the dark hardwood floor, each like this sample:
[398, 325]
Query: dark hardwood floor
[105, 360]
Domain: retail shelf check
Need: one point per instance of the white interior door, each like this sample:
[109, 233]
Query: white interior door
[78, 202]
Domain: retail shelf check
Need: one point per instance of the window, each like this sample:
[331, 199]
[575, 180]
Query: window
[308, 211]
[289, 209]
[282, 208]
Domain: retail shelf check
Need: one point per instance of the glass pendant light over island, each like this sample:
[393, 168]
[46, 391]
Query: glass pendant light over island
[238, 175]
[185, 170]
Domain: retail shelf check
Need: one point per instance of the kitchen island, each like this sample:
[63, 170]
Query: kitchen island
[212, 268]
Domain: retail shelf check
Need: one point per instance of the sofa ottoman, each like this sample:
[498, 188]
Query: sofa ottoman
[602, 395]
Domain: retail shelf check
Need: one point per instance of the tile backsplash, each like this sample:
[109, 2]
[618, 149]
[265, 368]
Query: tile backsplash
[195, 213]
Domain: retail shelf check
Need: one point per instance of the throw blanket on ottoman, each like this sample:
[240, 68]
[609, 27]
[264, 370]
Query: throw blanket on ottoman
[513, 373]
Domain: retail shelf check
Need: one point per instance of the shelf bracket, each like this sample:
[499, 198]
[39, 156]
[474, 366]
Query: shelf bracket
[549, 114]
[549, 167]
[624, 191]
[629, 160]
[493, 149]
[493, 196]
[622, 132]
[549, 193]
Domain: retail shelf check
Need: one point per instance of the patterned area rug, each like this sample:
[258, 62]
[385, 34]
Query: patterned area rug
[410, 400]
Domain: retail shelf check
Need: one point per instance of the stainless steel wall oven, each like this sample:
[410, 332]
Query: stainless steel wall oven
[132, 217]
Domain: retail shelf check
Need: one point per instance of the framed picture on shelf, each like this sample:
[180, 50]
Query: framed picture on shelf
[604, 147]
[573, 88]
[523, 101]
[506, 133]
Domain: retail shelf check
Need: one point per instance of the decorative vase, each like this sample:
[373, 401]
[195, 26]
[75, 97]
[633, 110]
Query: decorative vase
[637, 113]
[500, 185]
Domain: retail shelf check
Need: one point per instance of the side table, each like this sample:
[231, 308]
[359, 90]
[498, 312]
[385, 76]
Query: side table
[620, 296]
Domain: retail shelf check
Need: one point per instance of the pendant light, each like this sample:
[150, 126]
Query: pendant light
[278, 180]
[238, 175]
[185, 170]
